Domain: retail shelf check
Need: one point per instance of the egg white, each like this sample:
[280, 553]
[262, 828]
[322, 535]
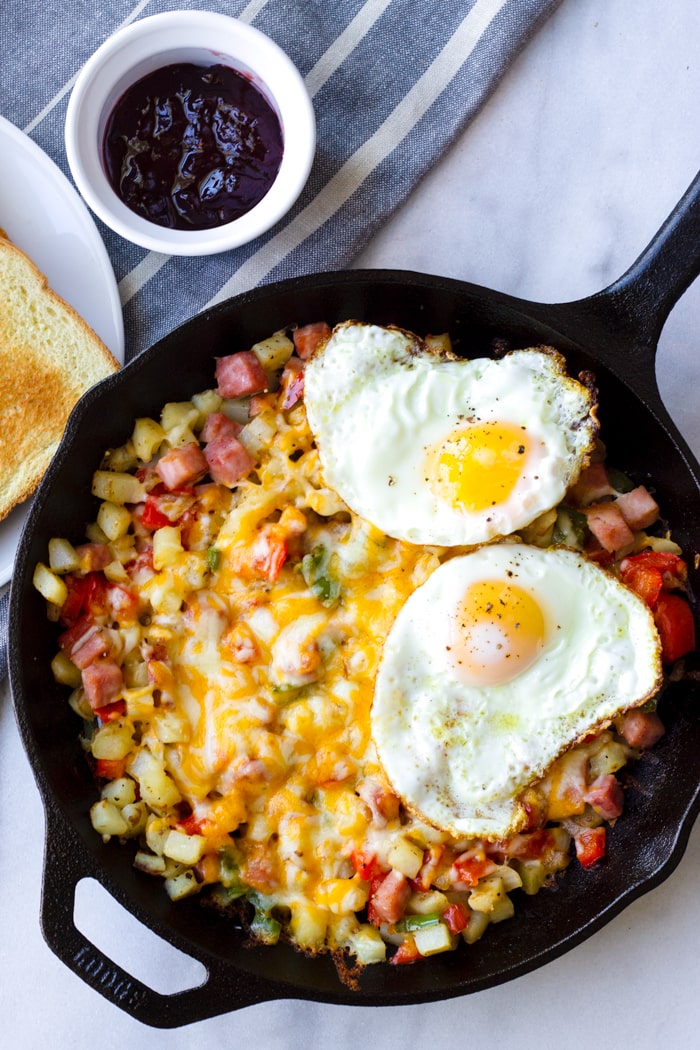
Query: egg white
[461, 754]
[379, 400]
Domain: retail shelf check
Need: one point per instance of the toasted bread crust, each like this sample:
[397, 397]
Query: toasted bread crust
[49, 357]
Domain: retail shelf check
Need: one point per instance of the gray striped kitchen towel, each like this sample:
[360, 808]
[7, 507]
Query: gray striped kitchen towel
[392, 82]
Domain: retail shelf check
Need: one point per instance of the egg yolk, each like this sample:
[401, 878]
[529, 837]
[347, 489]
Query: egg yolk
[498, 631]
[478, 466]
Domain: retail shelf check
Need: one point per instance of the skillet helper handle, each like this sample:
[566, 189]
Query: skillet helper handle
[223, 990]
[644, 296]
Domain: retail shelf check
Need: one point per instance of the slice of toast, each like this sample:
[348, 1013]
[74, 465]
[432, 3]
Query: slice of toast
[49, 357]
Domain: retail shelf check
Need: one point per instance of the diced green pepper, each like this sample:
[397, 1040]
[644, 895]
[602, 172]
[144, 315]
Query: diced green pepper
[417, 922]
[263, 926]
[317, 572]
[570, 528]
[213, 559]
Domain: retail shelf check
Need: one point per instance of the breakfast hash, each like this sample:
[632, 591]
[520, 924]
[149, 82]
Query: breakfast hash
[261, 724]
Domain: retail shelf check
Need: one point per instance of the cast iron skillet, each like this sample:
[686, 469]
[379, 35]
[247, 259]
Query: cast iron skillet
[613, 333]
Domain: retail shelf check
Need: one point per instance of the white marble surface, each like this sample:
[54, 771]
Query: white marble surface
[551, 194]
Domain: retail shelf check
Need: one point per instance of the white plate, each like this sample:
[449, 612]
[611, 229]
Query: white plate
[42, 213]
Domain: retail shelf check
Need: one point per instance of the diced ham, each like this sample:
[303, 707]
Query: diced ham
[216, 425]
[593, 485]
[240, 374]
[639, 508]
[389, 898]
[261, 403]
[102, 682]
[609, 527]
[383, 804]
[291, 384]
[228, 461]
[641, 729]
[86, 642]
[308, 338]
[182, 466]
[606, 796]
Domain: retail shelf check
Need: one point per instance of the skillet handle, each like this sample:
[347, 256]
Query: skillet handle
[225, 989]
[642, 298]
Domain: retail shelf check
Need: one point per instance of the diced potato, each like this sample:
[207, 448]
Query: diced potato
[504, 909]
[487, 894]
[178, 414]
[192, 569]
[107, 819]
[611, 757]
[147, 437]
[157, 788]
[94, 534]
[113, 740]
[180, 886]
[509, 876]
[433, 939]
[341, 895]
[441, 343]
[186, 849]
[274, 352]
[164, 593]
[206, 402]
[257, 435]
[113, 519]
[367, 945]
[136, 815]
[63, 556]
[121, 791]
[78, 702]
[405, 856]
[116, 573]
[49, 585]
[476, 927]
[166, 546]
[122, 459]
[427, 903]
[157, 830]
[171, 728]
[533, 875]
[308, 925]
[237, 409]
[150, 863]
[64, 670]
[139, 702]
[116, 487]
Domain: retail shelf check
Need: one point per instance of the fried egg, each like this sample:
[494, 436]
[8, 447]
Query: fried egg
[433, 449]
[502, 660]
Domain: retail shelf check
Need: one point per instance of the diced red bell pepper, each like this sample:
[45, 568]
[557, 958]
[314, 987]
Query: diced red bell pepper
[87, 595]
[110, 768]
[366, 865]
[407, 952]
[648, 572]
[111, 712]
[457, 917]
[471, 866]
[590, 845]
[152, 518]
[676, 626]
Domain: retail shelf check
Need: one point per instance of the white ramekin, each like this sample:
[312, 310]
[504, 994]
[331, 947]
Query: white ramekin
[203, 38]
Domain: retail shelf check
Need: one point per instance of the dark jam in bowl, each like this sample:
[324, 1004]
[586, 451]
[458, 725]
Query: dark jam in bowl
[192, 147]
